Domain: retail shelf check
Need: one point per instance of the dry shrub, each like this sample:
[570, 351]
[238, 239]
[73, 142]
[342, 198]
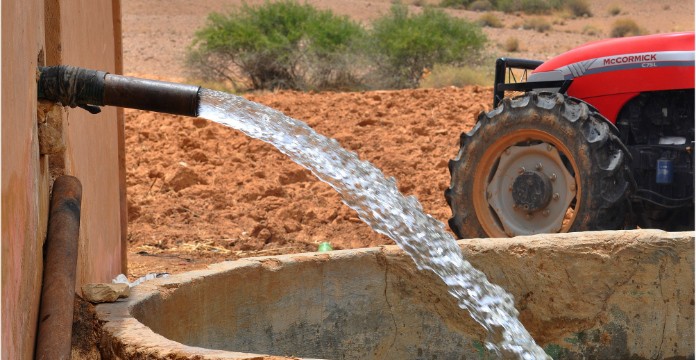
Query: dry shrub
[511, 44]
[625, 27]
[536, 23]
[455, 4]
[591, 30]
[481, 5]
[614, 10]
[449, 75]
[579, 8]
[491, 20]
[528, 6]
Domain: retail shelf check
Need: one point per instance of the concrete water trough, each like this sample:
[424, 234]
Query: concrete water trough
[602, 295]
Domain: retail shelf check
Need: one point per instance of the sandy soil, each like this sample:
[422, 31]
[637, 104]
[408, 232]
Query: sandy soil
[201, 193]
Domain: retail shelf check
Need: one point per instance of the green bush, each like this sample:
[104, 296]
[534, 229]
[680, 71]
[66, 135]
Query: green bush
[276, 45]
[284, 45]
[404, 45]
[625, 27]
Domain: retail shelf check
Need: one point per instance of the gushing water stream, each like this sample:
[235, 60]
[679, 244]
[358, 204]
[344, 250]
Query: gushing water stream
[379, 203]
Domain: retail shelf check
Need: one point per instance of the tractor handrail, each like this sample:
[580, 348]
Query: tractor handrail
[500, 86]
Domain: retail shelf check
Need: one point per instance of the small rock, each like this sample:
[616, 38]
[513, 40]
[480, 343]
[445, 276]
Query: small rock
[100, 293]
[199, 156]
[292, 226]
[265, 235]
[155, 174]
[184, 177]
[200, 123]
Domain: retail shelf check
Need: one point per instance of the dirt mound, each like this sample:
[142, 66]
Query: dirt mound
[200, 192]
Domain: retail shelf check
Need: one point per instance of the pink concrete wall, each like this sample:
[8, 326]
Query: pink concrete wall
[92, 146]
[37, 32]
[22, 235]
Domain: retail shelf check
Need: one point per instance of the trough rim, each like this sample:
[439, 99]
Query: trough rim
[120, 329]
[121, 326]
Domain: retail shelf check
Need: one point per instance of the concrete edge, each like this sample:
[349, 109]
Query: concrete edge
[123, 336]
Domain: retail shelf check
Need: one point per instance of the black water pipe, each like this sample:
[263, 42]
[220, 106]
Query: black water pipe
[73, 86]
[54, 331]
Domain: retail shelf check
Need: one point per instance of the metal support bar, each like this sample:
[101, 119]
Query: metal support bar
[527, 86]
[501, 66]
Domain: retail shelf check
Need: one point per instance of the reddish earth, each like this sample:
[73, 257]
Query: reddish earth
[201, 193]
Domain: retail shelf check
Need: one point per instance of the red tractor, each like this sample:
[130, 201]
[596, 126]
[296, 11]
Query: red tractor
[600, 137]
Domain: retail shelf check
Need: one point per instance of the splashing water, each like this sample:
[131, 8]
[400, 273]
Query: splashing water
[379, 203]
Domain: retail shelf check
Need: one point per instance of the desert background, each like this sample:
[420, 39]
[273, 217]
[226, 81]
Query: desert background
[199, 192]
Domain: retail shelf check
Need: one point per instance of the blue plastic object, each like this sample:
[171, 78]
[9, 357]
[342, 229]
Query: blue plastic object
[665, 171]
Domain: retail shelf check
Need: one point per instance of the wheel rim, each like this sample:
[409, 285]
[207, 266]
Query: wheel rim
[504, 201]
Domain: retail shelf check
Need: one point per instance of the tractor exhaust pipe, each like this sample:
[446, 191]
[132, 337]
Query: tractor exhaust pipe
[73, 86]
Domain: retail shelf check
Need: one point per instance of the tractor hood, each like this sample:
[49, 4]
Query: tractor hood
[611, 51]
[608, 73]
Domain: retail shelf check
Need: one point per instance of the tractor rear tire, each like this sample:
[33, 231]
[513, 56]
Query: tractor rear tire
[539, 163]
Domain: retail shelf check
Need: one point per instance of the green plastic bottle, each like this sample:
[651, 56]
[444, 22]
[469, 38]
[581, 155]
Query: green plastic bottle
[325, 246]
